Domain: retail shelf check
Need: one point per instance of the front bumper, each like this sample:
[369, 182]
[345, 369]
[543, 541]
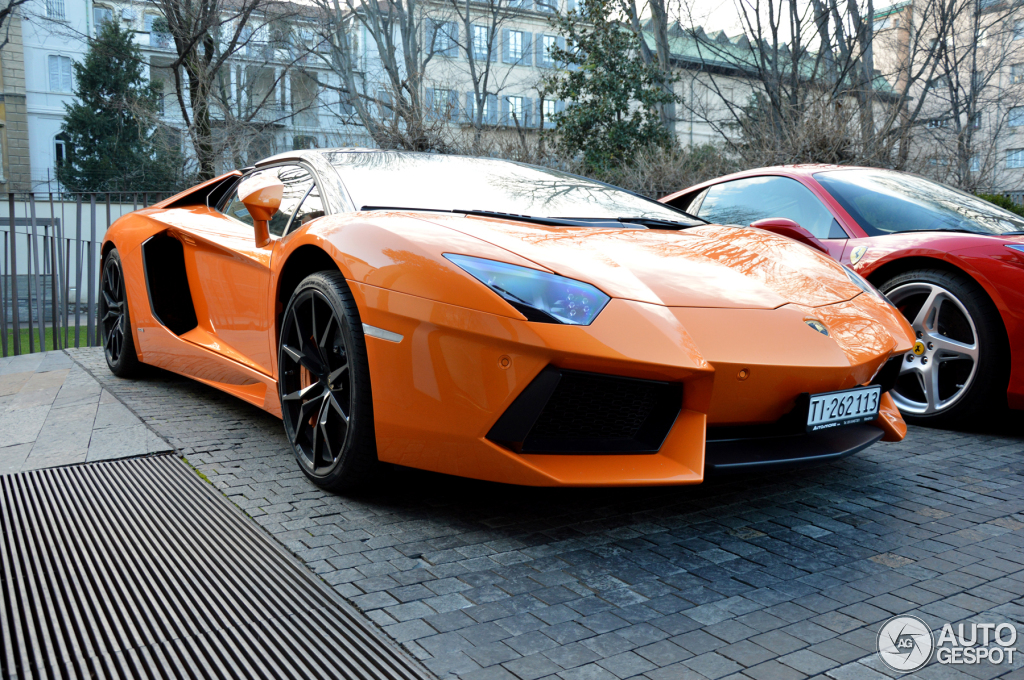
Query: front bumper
[440, 394]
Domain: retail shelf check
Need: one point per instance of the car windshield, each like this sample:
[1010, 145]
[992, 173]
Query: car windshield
[888, 202]
[422, 181]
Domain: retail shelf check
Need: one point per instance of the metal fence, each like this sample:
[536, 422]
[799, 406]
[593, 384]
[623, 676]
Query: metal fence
[49, 271]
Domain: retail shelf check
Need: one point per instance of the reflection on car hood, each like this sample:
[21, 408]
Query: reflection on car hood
[709, 266]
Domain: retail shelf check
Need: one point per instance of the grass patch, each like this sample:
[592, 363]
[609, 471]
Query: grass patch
[47, 339]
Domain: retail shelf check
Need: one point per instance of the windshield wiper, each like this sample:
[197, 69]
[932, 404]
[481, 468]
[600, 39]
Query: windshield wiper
[547, 221]
[655, 222]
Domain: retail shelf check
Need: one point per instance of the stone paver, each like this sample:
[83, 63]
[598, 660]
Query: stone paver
[784, 575]
[53, 412]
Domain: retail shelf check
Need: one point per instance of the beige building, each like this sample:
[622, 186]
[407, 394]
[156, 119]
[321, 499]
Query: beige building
[14, 135]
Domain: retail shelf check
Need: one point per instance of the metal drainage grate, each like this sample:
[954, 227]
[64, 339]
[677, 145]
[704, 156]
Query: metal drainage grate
[137, 568]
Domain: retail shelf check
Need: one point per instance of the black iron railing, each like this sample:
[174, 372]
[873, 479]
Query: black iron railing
[49, 271]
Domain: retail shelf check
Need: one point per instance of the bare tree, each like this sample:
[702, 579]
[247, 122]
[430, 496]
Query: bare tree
[221, 80]
[377, 55]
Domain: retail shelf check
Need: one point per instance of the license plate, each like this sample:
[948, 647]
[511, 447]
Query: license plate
[847, 407]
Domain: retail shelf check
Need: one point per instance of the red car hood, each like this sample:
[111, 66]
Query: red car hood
[708, 266]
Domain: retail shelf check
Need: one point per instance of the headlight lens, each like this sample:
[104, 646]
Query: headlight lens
[865, 286]
[540, 296]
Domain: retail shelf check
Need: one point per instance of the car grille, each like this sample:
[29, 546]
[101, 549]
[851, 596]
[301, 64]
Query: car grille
[573, 412]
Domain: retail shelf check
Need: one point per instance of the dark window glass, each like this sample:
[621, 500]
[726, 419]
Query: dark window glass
[436, 182]
[297, 182]
[747, 200]
[887, 202]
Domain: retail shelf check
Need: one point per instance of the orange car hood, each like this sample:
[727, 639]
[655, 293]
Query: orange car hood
[709, 266]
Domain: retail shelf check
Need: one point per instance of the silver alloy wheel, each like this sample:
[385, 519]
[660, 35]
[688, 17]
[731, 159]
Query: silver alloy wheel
[939, 311]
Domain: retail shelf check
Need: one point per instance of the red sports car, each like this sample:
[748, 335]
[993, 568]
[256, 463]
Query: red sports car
[952, 263]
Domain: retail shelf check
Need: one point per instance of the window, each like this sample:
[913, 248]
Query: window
[297, 183]
[1018, 30]
[549, 109]
[547, 6]
[937, 123]
[548, 43]
[446, 38]
[976, 121]
[384, 102]
[1017, 73]
[60, 73]
[942, 162]
[1015, 158]
[148, 20]
[1016, 118]
[304, 142]
[515, 45]
[975, 164]
[882, 24]
[101, 15]
[516, 110]
[747, 200]
[480, 42]
[312, 207]
[443, 103]
[60, 150]
[55, 10]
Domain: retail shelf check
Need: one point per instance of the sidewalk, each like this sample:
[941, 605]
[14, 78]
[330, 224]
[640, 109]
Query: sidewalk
[52, 413]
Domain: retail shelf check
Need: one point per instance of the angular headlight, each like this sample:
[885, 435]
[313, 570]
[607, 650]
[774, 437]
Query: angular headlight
[866, 286]
[540, 296]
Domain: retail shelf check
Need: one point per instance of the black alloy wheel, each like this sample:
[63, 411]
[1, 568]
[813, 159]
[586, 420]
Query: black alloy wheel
[324, 384]
[115, 329]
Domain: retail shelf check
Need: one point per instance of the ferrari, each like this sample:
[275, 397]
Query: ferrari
[951, 262]
[500, 321]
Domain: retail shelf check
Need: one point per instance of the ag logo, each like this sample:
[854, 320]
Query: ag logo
[918, 348]
[904, 643]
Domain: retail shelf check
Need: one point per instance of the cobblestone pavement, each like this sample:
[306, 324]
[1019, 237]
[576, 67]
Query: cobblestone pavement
[774, 576]
[52, 412]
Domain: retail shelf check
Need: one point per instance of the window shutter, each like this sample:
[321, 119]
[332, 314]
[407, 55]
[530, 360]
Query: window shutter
[527, 120]
[453, 39]
[570, 5]
[506, 56]
[559, 106]
[66, 75]
[453, 105]
[561, 44]
[468, 111]
[492, 109]
[493, 36]
[506, 111]
[54, 73]
[428, 101]
[539, 43]
[527, 48]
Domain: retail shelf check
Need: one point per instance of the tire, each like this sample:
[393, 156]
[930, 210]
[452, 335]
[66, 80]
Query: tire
[963, 369]
[114, 323]
[324, 385]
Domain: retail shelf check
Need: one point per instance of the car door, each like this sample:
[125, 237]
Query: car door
[747, 200]
[230, 276]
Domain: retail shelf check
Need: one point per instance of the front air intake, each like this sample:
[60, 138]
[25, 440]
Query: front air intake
[574, 412]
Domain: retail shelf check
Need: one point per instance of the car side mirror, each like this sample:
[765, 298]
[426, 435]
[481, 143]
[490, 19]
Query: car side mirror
[786, 227]
[261, 196]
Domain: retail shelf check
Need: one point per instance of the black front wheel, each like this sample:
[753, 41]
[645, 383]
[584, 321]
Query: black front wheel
[324, 384]
[115, 328]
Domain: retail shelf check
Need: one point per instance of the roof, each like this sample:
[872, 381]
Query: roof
[693, 48]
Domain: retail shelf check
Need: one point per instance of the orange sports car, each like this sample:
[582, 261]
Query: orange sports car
[500, 321]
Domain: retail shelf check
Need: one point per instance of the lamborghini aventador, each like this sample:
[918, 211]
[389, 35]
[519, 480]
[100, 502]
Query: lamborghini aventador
[500, 321]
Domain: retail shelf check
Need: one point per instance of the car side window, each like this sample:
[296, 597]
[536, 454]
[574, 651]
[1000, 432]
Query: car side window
[297, 182]
[747, 200]
[312, 207]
